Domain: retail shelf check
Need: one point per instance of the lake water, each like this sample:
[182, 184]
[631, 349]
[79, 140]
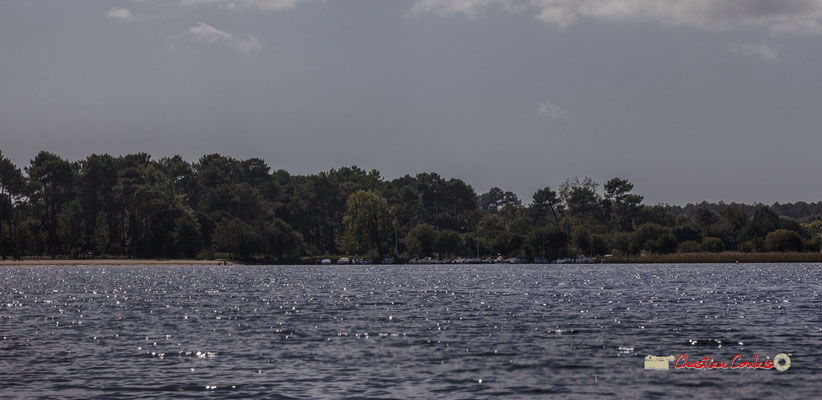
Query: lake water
[403, 331]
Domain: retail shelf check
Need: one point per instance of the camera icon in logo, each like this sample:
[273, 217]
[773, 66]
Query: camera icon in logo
[658, 363]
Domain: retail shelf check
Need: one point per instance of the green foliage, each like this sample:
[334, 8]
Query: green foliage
[763, 221]
[448, 242]
[712, 245]
[622, 205]
[71, 227]
[368, 223]
[747, 247]
[281, 240]
[134, 206]
[546, 242]
[496, 199]
[51, 179]
[11, 188]
[237, 237]
[687, 232]
[581, 198]
[658, 214]
[647, 233]
[705, 218]
[689, 246]
[588, 241]
[783, 240]
[187, 237]
[734, 216]
[419, 242]
[493, 234]
[102, 238]
[599, 245]
[791, 225]
[623, 243]
[545, 207]
[813, 245]
[664, 244]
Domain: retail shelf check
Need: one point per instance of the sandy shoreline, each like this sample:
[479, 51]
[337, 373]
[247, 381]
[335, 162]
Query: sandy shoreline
[49, 261]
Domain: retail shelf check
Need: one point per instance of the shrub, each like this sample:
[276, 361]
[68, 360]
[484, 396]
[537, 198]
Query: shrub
[599, 245]
[689, 246]
[645, 233]
[747, 247]
[783, 240]
[665, 244]
[712, 245]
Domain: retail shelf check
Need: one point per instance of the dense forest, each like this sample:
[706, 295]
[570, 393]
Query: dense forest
[133, 206]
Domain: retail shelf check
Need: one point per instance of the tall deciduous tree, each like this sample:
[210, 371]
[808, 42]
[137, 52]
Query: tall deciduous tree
[368, 223]
[11, 185]
[237, 237]
[420, 240]
[96, 181]
[52, 177]
[280, 240]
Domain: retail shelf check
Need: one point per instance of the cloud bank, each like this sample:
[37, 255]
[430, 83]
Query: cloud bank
[754, 50]
[781, 17]
[252, 4]
[469, 8]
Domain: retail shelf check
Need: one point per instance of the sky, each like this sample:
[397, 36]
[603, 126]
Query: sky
[690, 100]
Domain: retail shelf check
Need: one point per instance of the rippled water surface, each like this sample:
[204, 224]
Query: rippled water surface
[467, 331]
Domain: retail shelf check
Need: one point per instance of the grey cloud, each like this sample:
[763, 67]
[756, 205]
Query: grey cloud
[254, 4]
[754, 50]
[552, 111]
[783, 17]
[209, 35]
[469, 8]
[806, 27]
[121, 14]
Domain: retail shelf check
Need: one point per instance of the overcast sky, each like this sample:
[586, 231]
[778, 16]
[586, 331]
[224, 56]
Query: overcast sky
[688, 99]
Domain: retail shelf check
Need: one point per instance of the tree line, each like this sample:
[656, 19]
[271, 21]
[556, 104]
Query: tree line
[134, 206]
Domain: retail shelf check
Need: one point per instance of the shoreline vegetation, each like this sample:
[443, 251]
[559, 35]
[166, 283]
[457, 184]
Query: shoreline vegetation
[716, 258]
[108, 262]
[727, 257]
[132, 209]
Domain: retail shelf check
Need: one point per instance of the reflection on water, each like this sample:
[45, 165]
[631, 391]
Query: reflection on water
[403, 331]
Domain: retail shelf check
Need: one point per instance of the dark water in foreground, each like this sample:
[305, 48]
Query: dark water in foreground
[467, 331]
